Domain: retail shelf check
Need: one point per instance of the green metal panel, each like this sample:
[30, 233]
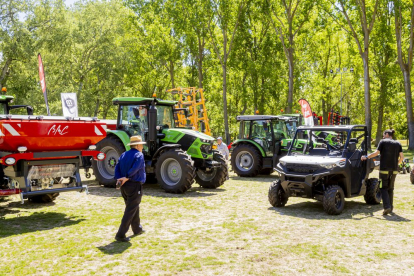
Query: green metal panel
[6, 98]
[251, 142]
[174, 134]
[122, 135]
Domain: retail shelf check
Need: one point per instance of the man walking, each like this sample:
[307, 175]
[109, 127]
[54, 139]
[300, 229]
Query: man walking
[224, 150]
[391, 157]
[130, 174]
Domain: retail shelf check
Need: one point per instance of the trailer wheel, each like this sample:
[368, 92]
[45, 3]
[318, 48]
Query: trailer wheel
[44, 198]
[214, 178]
[373, 194]
[104, 171]
[334, 200]
[246, 160]
[175, 171]
[277, 196]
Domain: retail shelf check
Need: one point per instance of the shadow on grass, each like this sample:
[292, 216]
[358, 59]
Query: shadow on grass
[114, 247]
[39, 221]
[314, 210]
[259, 178]
[154, 190]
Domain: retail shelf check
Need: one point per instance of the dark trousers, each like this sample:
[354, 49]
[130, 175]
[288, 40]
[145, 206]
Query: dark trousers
[387, 179]
[132, 193]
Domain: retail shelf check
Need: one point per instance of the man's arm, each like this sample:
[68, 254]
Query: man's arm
[369, 156]
[401, 157]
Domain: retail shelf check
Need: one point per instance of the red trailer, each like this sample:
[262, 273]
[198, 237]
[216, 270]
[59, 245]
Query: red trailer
[37, 152]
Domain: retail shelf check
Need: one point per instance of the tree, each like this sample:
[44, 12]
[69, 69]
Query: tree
[404, 31]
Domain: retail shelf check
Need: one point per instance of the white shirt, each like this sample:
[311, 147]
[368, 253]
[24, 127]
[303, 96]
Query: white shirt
[222, 148]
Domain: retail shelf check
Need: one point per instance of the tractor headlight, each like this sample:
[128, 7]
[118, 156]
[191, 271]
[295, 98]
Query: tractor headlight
[10, 161]
[101, 156]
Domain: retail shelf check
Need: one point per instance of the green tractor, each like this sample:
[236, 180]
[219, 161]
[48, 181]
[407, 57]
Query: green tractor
[263, 139]
[174, 157]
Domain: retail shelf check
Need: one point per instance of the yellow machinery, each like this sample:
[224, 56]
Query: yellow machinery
[193, 99]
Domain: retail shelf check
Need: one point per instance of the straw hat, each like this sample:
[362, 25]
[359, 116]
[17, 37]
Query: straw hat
[136, 140]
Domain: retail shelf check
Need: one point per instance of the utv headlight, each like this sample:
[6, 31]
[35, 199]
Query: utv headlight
[328, 166]
[283, 163]
[341, 163]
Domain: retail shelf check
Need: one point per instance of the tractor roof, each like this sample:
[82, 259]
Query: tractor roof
[256, 117]
[6, 98]
[333, 128]
[140, 101]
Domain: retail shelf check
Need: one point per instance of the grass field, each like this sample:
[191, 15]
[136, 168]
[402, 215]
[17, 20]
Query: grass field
[229, 231]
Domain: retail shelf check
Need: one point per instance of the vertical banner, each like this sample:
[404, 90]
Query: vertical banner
[306, 112]
[43, 81]
[69, 104]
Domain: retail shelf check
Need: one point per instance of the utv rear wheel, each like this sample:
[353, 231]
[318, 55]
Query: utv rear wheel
[277, 196]
[44, 198]
[246, 160]
[214, 178]
[175, 171]
[334, 200]
[373, 194]
[404, 171]
[105, 170]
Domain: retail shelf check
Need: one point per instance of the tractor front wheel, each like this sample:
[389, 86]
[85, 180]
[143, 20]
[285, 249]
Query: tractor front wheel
[214, 178]
[246, 160]
[105, 170]
[175, 171]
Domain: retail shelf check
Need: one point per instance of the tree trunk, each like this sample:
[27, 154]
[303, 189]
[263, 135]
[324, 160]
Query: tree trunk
[291, 80]
[95, 114]
[172, 73]
[226, 121]
[200, 63]
[380, 117]
[367, 96]
[409, 107]
[5, 71]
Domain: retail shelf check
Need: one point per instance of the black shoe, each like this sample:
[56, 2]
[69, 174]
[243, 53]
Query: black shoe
[386, 211]
[139, 232]
[124, 239]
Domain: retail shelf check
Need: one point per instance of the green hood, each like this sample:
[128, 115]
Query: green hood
[175, 134]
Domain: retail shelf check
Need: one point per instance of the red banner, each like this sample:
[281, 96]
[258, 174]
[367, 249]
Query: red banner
[306, 112]
[43, 81]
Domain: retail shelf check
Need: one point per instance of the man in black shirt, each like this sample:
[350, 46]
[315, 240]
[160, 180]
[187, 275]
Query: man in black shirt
[391, 157]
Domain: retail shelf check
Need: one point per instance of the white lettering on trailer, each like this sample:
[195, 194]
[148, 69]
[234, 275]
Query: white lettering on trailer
[97, 131]
[58, 130]
[11, 130]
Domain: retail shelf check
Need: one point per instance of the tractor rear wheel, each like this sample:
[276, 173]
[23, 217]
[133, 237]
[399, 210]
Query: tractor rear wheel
[373, 193]
[175, 171]
[44, 198]
[105, 170]
[246, 160]
[214, 178]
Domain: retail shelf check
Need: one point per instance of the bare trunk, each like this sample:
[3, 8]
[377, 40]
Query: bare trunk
[226, 121]
[172, 73]
[409, 107]
[367, 96]
[95, 114]
[291, 80]
[324, 111]
[5, 71]
[200, 63]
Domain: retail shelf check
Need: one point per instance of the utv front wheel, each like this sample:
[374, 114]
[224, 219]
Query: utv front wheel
[404, 171]
[408, 169]
[214, 178]
[246, 160]
[373, 194]
[277, 196]
[175, 171]
[334, 200]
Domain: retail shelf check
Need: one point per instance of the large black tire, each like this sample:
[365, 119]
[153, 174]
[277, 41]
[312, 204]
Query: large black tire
[246, 160]
[267, 171]
[175, 171]
[334, 200]
[408, 169]
[214, 178]
[404, 171]
[373, 194]
[44, 198]
[104, 171]
[151, 178]
[277, 196]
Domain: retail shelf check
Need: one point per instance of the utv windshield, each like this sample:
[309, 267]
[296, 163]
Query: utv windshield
[319, 142]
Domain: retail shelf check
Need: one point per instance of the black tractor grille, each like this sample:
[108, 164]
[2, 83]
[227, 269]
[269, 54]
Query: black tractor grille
[300, 168]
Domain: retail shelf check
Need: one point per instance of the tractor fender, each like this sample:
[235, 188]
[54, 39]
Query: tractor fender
[161, 149]
[247, 141]
[121, 135]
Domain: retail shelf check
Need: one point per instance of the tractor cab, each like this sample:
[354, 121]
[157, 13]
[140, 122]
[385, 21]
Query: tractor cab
[6, 100]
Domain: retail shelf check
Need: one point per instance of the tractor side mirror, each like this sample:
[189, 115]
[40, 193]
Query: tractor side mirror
[29, 110]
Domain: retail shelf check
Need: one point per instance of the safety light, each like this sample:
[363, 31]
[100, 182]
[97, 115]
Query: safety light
[21, 149]
[4, 89]
[154, 95]
[100, 156]
[257, 112]
[92, 147]
[10, 161]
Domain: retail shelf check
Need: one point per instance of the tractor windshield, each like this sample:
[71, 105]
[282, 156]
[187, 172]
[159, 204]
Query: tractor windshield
[165, 116]
[317, 142]
[134, 120]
